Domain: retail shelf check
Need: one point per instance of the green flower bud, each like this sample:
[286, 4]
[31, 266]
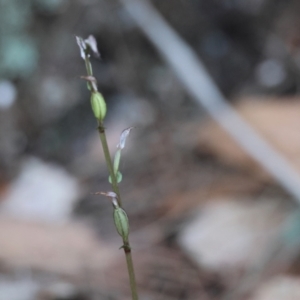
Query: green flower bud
[121, 222]
[98, 106]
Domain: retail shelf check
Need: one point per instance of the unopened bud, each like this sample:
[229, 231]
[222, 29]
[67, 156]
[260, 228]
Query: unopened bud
[121, 222]
[98, 105]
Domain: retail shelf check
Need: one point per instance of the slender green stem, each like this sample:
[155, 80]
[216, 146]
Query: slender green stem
[130, 268]
[115, 187]
[88, 65]
[126, 244]
[103, 139]
[109, 163]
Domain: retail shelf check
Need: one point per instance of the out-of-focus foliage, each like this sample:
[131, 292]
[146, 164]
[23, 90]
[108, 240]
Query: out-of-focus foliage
[18, 45]
[19, 53]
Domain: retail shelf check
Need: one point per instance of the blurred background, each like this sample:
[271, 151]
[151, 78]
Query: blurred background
[207, 222]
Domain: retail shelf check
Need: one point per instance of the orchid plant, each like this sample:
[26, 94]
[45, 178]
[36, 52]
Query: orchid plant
[98, 105]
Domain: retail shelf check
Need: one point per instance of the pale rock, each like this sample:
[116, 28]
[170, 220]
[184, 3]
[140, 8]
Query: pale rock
[18, 289]
[58, 290]
[229, 235]
[42, 192]
[279, 288]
